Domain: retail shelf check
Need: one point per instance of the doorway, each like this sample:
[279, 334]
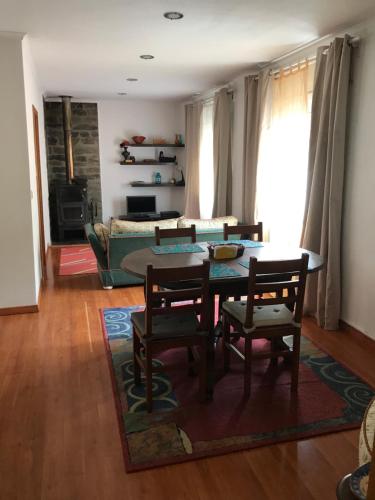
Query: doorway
[42, 244]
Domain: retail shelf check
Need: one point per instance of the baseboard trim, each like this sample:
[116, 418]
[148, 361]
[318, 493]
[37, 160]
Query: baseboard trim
[7, 311]
[346, 327]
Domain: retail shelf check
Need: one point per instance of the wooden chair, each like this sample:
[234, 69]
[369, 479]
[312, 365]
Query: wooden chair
[268, 317]
[179, 232]
[161, 328]
[246, 232]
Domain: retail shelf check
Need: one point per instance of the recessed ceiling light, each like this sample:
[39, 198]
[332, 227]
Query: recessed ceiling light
[122, 93]
[147, 56]
[132, 79]
[173, 16]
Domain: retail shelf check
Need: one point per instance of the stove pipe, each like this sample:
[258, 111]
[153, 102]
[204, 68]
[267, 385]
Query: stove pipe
[67, 124]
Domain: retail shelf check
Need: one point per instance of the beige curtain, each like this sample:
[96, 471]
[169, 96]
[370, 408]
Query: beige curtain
[192, 140]
[222, 154]
[322, 220]
[283, 155]
[255, 99]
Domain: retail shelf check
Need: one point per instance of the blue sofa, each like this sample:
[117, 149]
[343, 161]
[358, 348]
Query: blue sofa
[109, 260]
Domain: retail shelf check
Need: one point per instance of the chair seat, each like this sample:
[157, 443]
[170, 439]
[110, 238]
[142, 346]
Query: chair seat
[263, 315]
[168, 326]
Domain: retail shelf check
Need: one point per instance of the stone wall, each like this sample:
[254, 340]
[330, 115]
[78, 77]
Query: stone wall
[85, 139]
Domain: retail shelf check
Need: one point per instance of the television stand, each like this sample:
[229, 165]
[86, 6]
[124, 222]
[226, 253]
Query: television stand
[150, 217]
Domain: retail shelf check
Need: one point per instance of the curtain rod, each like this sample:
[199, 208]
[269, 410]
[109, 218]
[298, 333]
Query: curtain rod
[211, 98]
[289, 67]
[353, 42]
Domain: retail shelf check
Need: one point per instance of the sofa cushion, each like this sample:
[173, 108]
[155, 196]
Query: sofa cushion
[102, 232]
[216, 223]
[126, 226]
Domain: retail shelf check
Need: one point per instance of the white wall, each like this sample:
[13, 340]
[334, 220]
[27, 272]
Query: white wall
[34, 97]
[358, 240]
[123, 119]
[17, 275]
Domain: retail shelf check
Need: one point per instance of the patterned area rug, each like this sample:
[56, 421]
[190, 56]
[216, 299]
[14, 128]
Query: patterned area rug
[77, 260]
[330, 398]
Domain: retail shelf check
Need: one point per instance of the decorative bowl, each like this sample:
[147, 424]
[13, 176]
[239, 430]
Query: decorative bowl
[125, 142]
[138, 139]
[366, 436]
[225, 251]
[359, 481]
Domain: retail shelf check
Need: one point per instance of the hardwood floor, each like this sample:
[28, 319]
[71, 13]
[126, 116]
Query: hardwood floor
[59, 438]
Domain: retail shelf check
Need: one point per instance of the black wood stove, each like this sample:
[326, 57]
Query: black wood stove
[68, 199]
[69, 209]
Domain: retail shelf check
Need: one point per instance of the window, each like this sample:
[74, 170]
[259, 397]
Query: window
[283, 156]
[206, 162]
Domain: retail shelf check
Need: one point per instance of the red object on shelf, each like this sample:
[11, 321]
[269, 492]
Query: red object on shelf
[138, 139]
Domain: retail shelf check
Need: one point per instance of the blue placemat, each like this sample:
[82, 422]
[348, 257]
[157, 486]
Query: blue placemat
[219, 270]
[179, 248]
[245, 243]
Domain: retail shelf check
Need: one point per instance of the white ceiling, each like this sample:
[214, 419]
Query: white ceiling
[87, 48]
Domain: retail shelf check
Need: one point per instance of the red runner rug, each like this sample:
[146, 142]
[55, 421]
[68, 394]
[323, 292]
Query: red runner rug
[77, 260]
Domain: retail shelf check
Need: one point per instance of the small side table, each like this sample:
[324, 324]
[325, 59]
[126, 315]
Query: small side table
[343, 491]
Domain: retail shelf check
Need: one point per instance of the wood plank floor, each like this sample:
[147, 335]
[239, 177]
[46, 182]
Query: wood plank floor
[59, 438]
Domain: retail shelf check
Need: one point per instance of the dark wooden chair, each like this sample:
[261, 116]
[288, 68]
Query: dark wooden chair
[179, 232]
[161, 328]
[246, 232]
[268, 316]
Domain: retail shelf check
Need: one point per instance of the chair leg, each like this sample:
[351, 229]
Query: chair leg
[222, 299]
[273, 361]
[148, 375]
[190, 357]
[226, 340]
[203, 372]
[295, 364]
[247, 371]
[136, 351]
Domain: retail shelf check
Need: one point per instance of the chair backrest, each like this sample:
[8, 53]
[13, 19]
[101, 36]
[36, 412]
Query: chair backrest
[276, 277]
[246, 232]
[167, 276]
[178, 232]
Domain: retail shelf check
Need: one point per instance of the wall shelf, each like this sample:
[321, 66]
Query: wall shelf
[155, 145]
[149, 163]
[153, 184]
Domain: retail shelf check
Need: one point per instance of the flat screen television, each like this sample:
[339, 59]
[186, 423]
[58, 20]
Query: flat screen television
[139, 205]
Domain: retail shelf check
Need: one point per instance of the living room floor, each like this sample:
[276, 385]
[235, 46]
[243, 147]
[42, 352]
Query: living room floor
[58, 427]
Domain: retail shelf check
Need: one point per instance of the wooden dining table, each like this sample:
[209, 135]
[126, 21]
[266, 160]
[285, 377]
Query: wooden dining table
[136, 263]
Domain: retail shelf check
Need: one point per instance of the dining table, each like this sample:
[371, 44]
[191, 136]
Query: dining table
[136, 264]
